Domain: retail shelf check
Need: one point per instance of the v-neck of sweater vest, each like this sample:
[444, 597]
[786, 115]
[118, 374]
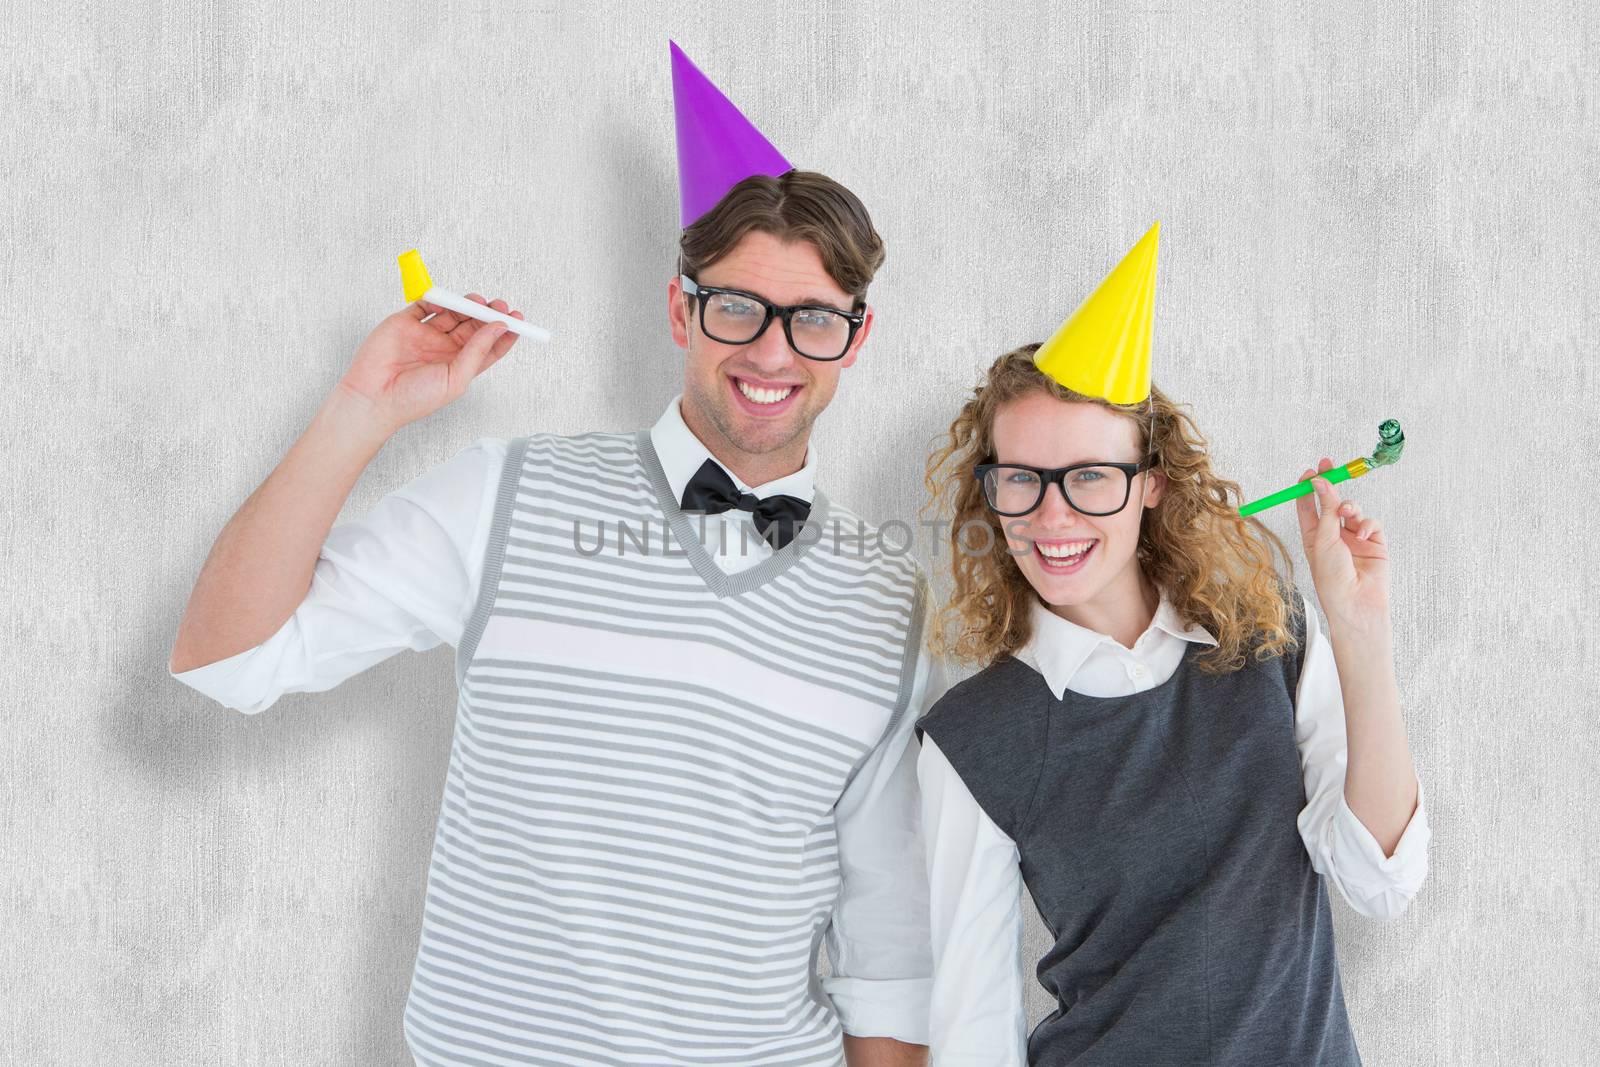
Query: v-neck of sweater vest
[717, 580]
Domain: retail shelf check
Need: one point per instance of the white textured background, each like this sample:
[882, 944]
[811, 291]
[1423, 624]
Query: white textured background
[1367, 212]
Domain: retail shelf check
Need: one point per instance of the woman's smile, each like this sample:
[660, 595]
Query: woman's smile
[1064, 557]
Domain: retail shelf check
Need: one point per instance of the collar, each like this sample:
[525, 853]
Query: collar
[1058, 648]
[681, 454]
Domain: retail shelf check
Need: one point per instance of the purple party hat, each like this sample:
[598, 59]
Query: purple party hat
[717, 146]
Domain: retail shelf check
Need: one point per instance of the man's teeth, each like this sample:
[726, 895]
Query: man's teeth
[1072, 551]
[763, 396]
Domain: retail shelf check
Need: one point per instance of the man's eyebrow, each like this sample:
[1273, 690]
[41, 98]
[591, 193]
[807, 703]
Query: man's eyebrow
[812, 300]
[823, 301]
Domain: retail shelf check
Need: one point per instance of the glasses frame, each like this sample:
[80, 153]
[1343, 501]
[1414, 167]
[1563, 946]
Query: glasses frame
[702, 293]
[1056, 476]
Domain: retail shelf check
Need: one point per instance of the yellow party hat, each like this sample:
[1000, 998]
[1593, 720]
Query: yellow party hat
[1104, 348]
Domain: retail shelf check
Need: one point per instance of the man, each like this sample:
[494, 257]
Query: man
[682, 755]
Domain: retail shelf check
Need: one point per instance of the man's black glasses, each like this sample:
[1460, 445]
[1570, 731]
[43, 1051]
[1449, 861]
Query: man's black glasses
[736, 317]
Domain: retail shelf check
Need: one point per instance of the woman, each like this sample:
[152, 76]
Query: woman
[1156, 744]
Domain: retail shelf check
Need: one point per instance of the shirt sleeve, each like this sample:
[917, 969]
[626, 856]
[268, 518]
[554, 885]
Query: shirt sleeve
[976, 1011]
[402, 576]
[878, 937]
[1341, 847]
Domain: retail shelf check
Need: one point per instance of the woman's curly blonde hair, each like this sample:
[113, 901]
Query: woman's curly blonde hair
[1217, 567]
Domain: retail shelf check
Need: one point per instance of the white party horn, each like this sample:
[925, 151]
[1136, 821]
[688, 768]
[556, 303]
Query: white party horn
[418, 286]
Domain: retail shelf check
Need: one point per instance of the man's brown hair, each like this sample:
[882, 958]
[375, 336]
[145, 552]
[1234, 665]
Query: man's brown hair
[799, 205]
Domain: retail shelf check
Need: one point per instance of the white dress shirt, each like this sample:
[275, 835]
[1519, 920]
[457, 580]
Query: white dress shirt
[405, 576]
[977, 1017]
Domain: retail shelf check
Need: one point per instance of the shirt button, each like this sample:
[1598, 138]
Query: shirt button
[1137, 670]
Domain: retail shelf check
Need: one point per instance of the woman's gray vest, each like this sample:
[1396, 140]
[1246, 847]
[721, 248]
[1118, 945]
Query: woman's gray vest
[1158, 838]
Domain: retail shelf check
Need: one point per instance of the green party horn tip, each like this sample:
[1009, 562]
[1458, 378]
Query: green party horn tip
[1391, 442]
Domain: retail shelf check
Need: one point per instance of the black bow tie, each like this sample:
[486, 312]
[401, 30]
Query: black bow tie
[711, 491]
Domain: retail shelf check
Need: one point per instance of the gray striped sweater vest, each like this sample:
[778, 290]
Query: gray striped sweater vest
[1157, 835]
[636, 854]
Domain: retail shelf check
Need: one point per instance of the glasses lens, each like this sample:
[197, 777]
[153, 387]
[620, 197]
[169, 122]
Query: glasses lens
[731, 318]
[819, 333]
[1098, 490]
[1011, 490]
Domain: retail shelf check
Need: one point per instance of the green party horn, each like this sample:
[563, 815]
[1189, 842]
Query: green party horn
[1391, 442]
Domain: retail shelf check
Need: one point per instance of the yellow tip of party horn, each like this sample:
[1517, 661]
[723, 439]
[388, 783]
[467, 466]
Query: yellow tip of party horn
[414, 275]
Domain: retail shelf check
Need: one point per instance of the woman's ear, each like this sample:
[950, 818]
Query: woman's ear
[1155, 486]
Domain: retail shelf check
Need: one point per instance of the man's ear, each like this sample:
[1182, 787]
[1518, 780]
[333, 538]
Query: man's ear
[678, 312]
[860, 339]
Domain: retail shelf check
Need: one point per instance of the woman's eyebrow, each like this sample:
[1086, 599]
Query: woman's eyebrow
[1058, 466]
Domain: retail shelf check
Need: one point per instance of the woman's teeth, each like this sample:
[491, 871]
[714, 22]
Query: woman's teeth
[763, 396]
[1065, 556]
[1066, 551]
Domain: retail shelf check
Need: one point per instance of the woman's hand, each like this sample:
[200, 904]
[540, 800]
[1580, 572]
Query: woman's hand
[1350, 566]
[1348, 556]
[407, 369]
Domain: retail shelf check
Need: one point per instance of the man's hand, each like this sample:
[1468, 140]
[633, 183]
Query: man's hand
[407, 369]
